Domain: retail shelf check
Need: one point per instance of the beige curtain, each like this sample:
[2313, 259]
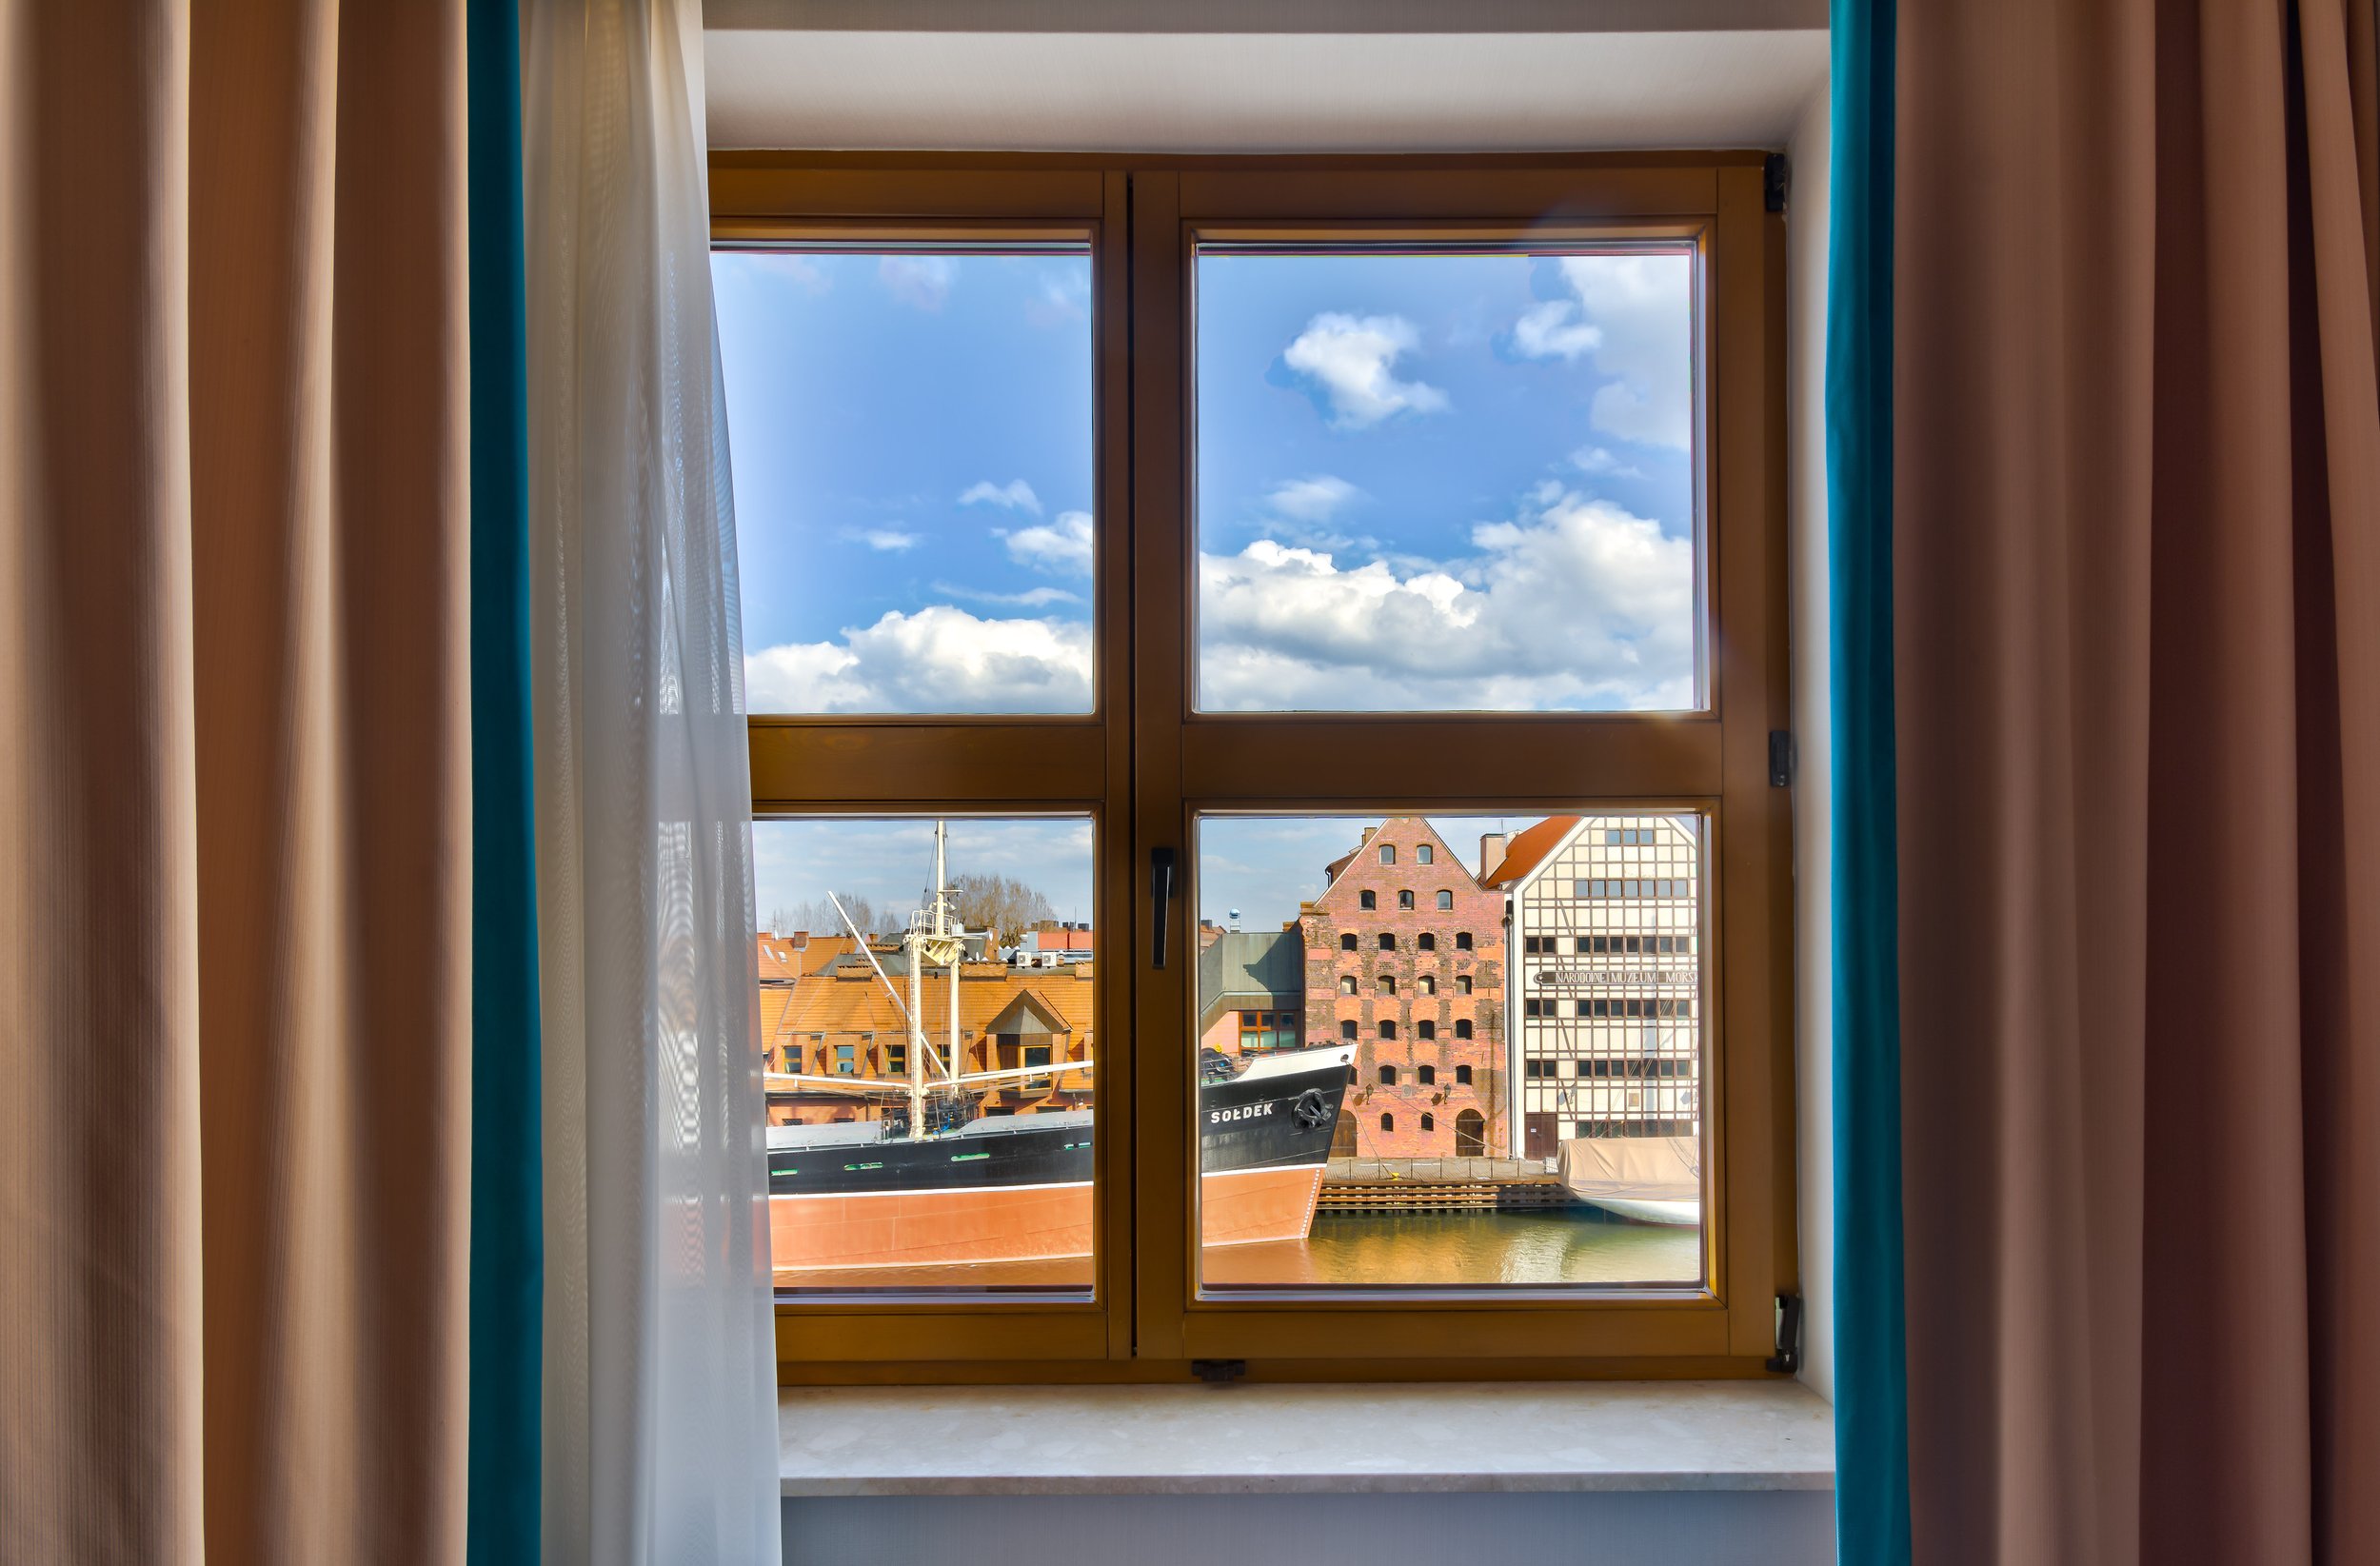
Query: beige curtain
[2137, 534]
[234, 812]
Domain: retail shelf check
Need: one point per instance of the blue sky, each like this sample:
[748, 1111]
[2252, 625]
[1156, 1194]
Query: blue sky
[1424, 481]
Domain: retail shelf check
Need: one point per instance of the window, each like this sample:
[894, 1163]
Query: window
[1369, 901]
[1388, 1076]
[1388, 984]
[1019, 523]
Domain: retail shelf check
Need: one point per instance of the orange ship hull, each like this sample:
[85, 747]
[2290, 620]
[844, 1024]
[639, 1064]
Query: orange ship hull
[1015, 1224]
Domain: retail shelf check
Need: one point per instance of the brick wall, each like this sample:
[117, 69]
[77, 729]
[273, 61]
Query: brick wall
[1476, 912]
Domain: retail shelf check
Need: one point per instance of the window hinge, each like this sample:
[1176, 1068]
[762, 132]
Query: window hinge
[1788, 1358]
[1775, 178]
[1218, 1371]
[1782, 758]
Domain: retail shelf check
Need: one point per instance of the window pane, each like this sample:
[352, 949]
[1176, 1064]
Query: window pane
[911, 437]
[1447, 481]
[897, 1162]
[1533, 1121]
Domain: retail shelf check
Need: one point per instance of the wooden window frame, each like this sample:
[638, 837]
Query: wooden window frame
[1142, 764]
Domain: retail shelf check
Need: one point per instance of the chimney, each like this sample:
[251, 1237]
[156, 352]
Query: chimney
[1491, 853]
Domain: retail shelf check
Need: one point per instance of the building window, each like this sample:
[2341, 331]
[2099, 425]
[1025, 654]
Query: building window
[1462, 1027]
[1426, 1075]
[1388, 1029]
[1367, 901]
[1425, 942]
[1347, 942]
[1425, 1029]
[1426, 984]
[1446, 902]
[1388, 984]
[1462, 940]
[897, 1059]
[1388, 941]
[1429, 1121]
[847, 1063]
[1346, 984]
[1462, 983]
[1421, 853]
[1404, 900]
[1463, 1076]
[1388, 853]
[1347, 1032]
[1388, 1076]
[1388, 1122]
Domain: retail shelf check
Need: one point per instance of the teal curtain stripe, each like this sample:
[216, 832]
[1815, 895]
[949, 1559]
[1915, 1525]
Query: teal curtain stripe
[507, 1193]
[1871, 1325]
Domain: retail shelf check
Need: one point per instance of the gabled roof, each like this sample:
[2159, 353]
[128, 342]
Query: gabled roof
[1530, 849]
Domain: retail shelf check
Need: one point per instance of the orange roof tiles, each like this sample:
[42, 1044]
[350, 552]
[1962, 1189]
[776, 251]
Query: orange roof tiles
[1528, 849]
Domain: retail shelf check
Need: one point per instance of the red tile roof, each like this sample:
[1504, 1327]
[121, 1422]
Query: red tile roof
[1528, 849]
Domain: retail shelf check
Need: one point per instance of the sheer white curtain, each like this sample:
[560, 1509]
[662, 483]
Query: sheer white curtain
[660, 1433]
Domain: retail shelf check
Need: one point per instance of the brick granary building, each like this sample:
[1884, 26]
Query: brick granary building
[1405, 954]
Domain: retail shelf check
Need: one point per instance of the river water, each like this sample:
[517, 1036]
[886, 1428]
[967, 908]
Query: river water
[1412, 1250]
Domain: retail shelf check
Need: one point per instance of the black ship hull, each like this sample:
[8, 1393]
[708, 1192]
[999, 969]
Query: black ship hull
[1018, 1188]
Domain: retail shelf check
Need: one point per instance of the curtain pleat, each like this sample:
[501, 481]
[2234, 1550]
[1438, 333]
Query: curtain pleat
[660, 1434]
[2136, 512]
[508, 1198]
[237, 808]
[1871, 1382]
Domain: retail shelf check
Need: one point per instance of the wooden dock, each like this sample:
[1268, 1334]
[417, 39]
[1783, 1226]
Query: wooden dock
[1439, 1185]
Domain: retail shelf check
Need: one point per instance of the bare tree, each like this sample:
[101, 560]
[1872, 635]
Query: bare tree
[1001, 904]
[819, 917]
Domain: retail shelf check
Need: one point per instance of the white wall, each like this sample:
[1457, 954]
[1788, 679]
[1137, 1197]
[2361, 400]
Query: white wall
[1806, 248]
[1703, 1528]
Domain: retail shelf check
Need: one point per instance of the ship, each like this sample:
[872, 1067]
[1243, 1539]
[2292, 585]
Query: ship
[1646, 1180]
[932, 1182]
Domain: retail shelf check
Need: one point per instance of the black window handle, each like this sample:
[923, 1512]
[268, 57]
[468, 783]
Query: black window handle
[1161, 893]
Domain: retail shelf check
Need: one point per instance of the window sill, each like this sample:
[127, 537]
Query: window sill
[1288, 1439]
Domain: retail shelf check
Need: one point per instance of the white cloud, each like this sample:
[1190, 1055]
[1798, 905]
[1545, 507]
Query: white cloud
[1634, 315]
[939, 659]
[887, 540]
[1576, 603]
[1032, 597]
[1351, 359]
[793, 269]
[1065, 295]
[1312, 499]
[1061, 546]
[1016, 495]
[1598, 461]
[921, 280]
